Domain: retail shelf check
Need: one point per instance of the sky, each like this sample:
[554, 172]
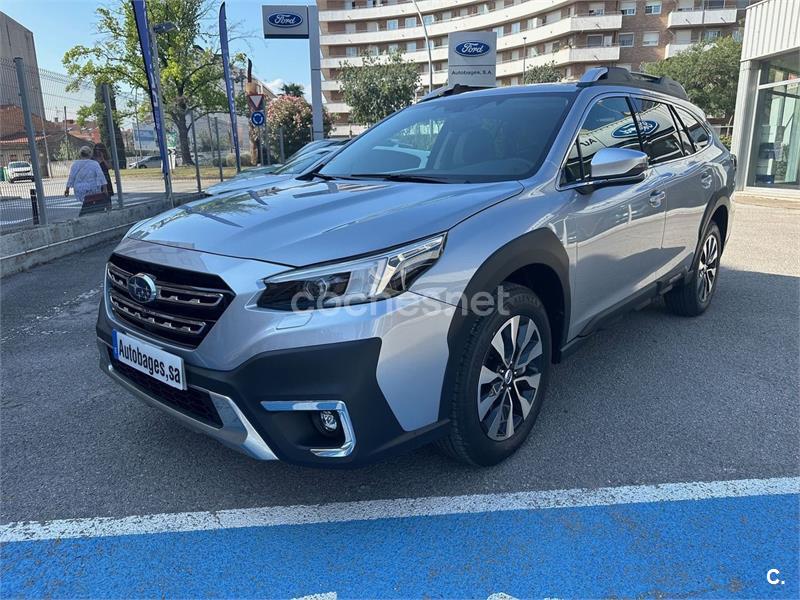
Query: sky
[57, 25]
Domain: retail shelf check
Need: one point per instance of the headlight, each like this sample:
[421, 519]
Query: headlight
[353, 282]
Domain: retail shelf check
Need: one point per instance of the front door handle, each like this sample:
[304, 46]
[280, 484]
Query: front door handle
[706, 180]
[656, 198]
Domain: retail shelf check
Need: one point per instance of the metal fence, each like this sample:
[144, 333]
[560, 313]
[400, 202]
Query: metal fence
[44, 123]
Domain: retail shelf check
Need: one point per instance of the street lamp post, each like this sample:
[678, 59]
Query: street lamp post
[154, 31]
[524, 57]
[427, 45]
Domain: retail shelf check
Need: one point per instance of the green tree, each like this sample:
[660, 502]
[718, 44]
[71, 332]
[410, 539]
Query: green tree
[383, 85]
[546, 73]
[293, 115]
[292, 89]
[191, 71]
[709, 71]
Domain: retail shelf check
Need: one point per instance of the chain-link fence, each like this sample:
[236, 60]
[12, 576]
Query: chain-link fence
[64, 118]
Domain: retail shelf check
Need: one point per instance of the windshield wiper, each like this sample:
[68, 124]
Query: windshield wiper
[324, 176]
[400, 177]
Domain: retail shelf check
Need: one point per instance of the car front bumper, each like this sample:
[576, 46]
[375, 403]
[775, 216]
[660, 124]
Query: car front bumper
[258, 378]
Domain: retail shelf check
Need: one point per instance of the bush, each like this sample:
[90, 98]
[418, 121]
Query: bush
[726, 139]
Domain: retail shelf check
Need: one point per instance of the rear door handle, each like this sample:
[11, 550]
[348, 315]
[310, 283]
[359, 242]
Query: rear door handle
[656, 198]
[706, 180]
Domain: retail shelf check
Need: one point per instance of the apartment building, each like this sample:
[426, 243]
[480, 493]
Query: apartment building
[575, 34]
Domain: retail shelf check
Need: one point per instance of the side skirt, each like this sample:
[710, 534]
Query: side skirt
[635, 302]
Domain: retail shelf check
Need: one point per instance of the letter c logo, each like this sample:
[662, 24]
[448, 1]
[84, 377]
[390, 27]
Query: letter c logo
[772, 577]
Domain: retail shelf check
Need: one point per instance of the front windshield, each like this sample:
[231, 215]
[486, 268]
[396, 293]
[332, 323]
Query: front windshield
[471, 138]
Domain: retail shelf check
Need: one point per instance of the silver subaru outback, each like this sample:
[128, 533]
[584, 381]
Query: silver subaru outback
[417, 286]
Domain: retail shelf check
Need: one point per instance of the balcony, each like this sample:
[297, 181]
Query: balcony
[698, 18]
[577, 24]
[406, 8]
[673, 49]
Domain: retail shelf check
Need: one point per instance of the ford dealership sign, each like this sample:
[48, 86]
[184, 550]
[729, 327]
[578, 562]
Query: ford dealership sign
[472, 58]
[285, 20]
[472, 48]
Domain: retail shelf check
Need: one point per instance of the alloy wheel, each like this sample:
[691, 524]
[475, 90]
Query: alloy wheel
[707, 268]
[509, 378]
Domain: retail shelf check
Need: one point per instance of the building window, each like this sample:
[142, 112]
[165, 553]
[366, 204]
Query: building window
[428, 19]
[626, 40]
[392, 24]
[351, 51]
[447, 15]
[515, 27]
[411, 22]
[597, 9]
[499, 31]
[650, 38]
[594, 41]
[653, 7]
[628, 9]
[711, 34]
[775, 154]
[411, 46]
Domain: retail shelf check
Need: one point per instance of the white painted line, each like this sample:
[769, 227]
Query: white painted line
[392, 509]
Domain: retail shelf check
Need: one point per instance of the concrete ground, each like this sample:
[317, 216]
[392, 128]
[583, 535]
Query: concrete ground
[656, 399]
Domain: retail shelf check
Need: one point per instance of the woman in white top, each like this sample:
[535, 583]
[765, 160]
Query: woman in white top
[85, 176]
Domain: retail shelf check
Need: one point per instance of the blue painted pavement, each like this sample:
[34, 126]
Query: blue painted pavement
[713, 548]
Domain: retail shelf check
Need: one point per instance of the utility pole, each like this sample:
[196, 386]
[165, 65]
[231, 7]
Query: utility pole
[194, 146]
[427, 46]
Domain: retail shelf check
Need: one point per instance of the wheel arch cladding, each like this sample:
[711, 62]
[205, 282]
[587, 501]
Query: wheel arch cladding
[720, 217]
[536, 260]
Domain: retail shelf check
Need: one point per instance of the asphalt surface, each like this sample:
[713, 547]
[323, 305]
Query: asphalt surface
[654, 399]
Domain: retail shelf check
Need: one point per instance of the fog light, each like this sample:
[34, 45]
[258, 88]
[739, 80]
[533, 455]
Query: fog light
[329, 421]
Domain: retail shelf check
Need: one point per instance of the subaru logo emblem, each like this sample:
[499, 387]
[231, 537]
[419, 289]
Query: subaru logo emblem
[285, 20]
[472, 48]
[629, 130]
[142, 288]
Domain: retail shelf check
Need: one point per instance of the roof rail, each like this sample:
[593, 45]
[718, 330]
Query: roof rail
[450, 90]
[620, 76]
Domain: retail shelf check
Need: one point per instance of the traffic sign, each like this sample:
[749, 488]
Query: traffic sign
[256, 101]
[257, 118]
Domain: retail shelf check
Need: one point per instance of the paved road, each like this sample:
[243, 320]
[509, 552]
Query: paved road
[655, 399]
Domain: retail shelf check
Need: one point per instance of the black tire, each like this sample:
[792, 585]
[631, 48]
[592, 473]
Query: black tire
[693, 297]
[469, 440]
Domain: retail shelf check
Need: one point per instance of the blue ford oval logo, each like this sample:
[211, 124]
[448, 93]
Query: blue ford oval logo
[472, 48]
[142, 288]
[629, 129]
[285, 20]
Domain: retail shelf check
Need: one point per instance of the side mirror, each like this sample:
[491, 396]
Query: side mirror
[615, 166]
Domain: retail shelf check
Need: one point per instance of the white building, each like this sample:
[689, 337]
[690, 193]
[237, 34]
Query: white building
[575, 34]
[766, 134]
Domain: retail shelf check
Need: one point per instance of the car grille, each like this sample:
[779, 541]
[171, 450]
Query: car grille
[193, 402]
[186, 306]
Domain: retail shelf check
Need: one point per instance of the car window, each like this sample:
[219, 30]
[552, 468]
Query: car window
[609, 124]
[686, 141]
[696, 130]
[466, 138]
[302, 162]
[661, 140]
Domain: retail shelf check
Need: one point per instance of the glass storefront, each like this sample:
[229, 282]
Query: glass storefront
[775, 156]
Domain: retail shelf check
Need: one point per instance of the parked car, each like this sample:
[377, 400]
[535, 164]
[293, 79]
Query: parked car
[260, 176]
[148, 162]
[394, 296]
[318, 145]
[18, 170]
